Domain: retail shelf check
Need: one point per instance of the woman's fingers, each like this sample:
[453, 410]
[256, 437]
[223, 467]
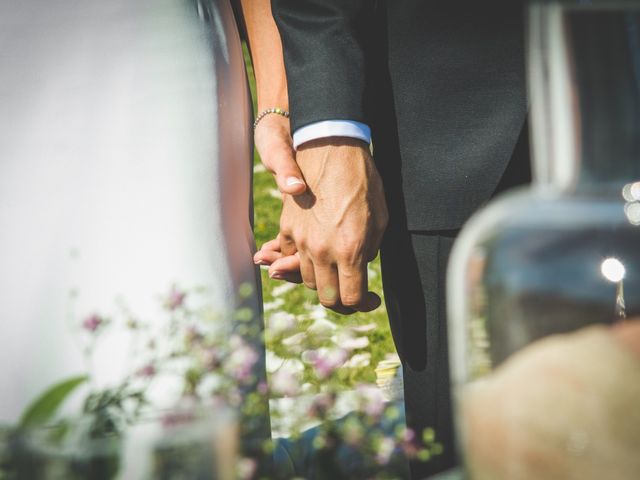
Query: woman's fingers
[343, 289]
[273, 140]
[266, 257]
[287, 269]
[268, 253]
[272, 245]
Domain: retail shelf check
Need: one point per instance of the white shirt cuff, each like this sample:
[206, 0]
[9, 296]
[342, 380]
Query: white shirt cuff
[332, 128]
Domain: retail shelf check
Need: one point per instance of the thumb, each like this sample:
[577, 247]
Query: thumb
[287, 173]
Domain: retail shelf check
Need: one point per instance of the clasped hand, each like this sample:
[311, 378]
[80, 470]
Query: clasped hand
[332, 221]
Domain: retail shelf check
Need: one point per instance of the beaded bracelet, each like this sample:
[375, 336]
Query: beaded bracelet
[268, 111]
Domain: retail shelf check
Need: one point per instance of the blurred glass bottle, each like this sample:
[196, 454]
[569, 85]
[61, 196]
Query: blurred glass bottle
[563, 254]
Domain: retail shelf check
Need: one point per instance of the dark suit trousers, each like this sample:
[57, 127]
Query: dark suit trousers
[414, 265]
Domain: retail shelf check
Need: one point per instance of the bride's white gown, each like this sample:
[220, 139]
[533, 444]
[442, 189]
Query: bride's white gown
[125, 166]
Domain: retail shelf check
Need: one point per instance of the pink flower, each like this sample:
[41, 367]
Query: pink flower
[328, 361]
[408, 442]
[408, 435]
[175, 299]
[177, 419]
[93, 322]
[286, 380]
[263, 388]
[372, 400]
[243, 358]
[147, 371]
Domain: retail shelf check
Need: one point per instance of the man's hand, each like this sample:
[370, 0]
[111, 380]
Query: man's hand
[273, 141]
[337, 224]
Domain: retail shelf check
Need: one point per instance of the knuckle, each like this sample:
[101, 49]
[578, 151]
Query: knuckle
[352, 299]
[286, 227]
[351, 242]
[349, 252]
[321, 252]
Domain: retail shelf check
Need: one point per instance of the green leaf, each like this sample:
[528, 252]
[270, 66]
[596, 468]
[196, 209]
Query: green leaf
[47, 404]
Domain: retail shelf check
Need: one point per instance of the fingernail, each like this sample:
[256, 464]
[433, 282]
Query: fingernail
[259, 262]
[291, 181]
[276, 275]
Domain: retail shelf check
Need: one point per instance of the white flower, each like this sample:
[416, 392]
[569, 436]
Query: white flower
[273, 362]
[286, 381]
[280, 322]
[246, 468]
[317, 312]
[348, 342]
[294, 340]
[309, 356]
[282, 289]
[372, 401]
[359, 360]
[364, 328]
[277, 303]
[322, 327]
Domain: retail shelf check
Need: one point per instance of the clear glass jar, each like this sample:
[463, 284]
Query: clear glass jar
[187, 442]
[544, 283]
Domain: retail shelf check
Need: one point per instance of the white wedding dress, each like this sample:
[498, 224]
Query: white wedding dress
[125, 168]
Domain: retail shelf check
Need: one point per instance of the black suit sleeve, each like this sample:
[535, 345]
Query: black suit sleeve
[324, 45]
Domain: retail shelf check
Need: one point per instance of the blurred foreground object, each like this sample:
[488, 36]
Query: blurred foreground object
[125, 139]
[125, 172]
[557, 258]
[557, 409]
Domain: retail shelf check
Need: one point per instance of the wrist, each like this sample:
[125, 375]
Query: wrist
[272, 98]
[334, 141]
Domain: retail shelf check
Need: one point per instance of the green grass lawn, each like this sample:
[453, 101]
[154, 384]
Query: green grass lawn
[300, 301]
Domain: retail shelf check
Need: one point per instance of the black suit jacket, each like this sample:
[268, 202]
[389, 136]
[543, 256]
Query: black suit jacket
[441, 83]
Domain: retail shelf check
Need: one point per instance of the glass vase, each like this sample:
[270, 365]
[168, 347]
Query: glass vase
[544, 283]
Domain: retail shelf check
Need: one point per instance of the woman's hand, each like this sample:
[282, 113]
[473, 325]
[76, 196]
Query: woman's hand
[281, 267]
[273, 142]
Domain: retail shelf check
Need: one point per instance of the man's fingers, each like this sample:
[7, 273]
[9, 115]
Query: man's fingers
[307, 271]
[371, 302]
[327, 284]
[354, 289]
